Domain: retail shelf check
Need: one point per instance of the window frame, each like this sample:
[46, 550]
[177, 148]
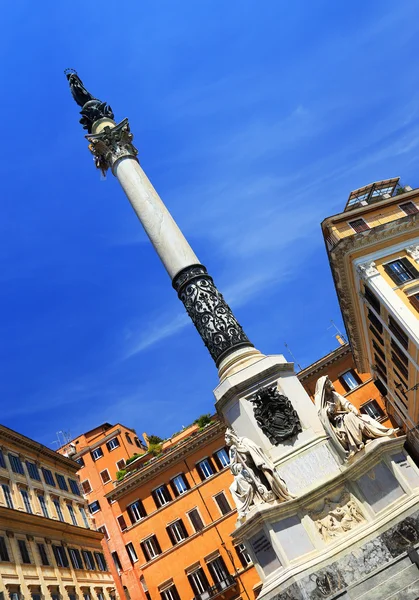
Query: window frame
[174, 529]
[19, 470]
[62, 483]
[222, 493]
[156, 496]
[56, 502]
[413, 212]
[364, 224]
[108, 480]
[406, 267]
[26, 500]
[180, 476]
[7, 493]
[47, 474]
[24, 552]
[93, 512]
[33, 470]
[373, 402]
[207, 462]
[108, 444]
[130, 548]
[346, 386]
[151, 539]
[90, 487]
[98, 449]
[198, 512]
[43, 505]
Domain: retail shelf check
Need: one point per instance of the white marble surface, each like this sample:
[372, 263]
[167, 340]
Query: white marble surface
[166, 237]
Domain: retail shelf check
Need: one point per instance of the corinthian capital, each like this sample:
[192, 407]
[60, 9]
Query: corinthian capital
[112, 144]
[413, 251]
[367, 270]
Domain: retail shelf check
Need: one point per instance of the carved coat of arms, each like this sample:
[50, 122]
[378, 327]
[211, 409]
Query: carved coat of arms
[275, 415]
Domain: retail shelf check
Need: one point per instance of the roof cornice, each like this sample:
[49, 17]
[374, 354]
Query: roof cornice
[168, 458]
[9, 435]
[324, 362]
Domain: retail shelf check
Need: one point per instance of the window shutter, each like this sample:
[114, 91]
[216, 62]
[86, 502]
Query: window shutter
[410, 267]
[182, 526]
[193, 585]
[344, 384]
[145, 551]
[174, 489]
[56, 555]
[141, 509]
[217, 461]
[200, 472]
[170, 534]
[131, 517]
[157, 544]
[394, 276]
[156, 499]
[122, 522]
[188, 487]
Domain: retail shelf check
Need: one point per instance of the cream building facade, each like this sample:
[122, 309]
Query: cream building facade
[47, 548]
[373, 249]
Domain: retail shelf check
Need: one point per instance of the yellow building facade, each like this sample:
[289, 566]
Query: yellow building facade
[47, 547]
[373, 250]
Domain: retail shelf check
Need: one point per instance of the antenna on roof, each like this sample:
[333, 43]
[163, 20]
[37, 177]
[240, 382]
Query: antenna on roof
[338, 335]
[293, 357]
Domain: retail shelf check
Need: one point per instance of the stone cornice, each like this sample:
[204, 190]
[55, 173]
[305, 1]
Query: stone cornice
[17, 519]
[25, 443]
[324, 362]
[341, 271]
[167, 459]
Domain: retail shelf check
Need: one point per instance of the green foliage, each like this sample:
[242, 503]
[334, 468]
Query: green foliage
[155, 449]
[132, 458]
[399, 190]
[121, 474]
[153, 440]
[203, 420]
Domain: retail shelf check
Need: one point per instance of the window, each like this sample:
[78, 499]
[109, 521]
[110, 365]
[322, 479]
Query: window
[380, 387]
[103, 530]
[101, 562]
[177, 532]
[349, 380]
[372, 299]
[33, 471]
[112, 444]
[86, 487]
[409, 208]
[161, 496]
[88, 560]
[4, 555]
[372, 409]
[398, 363]
[170, 593]
[72, 514]
[120, 464]
[75, 558]
[222, 503]
[2, 461]
[42, 551]
[122, 523]
[7, 495]
[128, 437]
[150, 547]
[74, 487]
[380, 365]
[398, 332]
[198, 581]
[401, 270]
[359, 225]
[413, 299]
[60, 556]
[26, 501]
[205, 468]
[80, 460]
[116, 561]
[243, 555]
[375, 321]
[16, 464]
[84, 517]
[48, 478]
[57, 505]
[104, 475]
[179, 484]
[196, 520]
[97, 453]
[136, 511]
[94, 507]
[62, 484]
[222, 458]
[378, 350]
[24, 553]
[377, 335]
[131, 552]
[145, 587]
[137, 442]
[218, 570]
[403, 357]
[36, 596]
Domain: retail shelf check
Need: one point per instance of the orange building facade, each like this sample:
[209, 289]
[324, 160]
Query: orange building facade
[101, 453]
[359, 388]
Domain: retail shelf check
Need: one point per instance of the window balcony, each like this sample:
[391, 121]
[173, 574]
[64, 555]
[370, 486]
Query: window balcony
[218, 588]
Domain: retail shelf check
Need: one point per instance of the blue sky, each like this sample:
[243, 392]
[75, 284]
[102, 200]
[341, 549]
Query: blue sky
[254, 121]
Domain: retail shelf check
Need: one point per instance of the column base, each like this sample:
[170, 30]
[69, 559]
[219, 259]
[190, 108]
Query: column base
[238, 360]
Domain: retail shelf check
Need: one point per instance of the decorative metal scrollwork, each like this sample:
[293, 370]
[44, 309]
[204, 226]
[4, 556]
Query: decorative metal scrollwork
[211, 315]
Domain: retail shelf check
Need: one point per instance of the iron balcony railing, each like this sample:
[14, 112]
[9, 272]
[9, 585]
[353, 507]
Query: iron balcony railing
[218, 588]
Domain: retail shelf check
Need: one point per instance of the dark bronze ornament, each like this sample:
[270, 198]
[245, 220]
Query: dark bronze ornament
[92, 108]
[210, 313]
[275, 415]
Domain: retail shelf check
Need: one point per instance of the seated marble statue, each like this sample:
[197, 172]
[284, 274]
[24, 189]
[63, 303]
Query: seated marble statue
[342, 420]
[255, 478]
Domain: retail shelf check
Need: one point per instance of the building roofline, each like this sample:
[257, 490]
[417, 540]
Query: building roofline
[19, 438]
[324, 362]
[97, 427]
[165, 460]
